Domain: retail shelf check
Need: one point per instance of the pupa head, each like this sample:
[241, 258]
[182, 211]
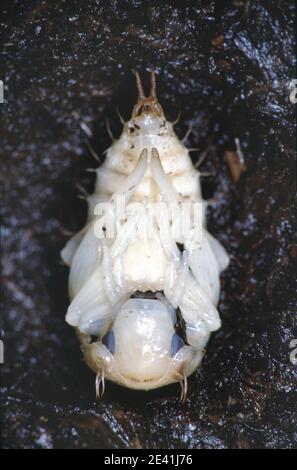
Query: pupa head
[142, 349]
[147, 104]
[147, 114]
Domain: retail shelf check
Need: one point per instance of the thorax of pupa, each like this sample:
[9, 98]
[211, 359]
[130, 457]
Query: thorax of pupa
[145, 264]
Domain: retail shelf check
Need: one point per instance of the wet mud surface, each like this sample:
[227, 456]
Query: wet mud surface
[227, 66]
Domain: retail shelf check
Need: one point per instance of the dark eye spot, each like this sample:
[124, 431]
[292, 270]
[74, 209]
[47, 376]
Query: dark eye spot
[146, 295]
[109, 341]
[180, 246]
[180, 326]
[176, 344]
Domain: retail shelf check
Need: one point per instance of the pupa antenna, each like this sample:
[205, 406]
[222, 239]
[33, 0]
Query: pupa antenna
[140, 91]
[153, 92]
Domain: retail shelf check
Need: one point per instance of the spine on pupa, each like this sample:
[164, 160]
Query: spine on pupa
[147, 166]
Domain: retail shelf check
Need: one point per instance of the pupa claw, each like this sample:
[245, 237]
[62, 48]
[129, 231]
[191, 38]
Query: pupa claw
[184, 388]
[100, 385]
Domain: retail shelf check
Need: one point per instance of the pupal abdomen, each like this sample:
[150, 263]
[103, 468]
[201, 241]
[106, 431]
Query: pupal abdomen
[139, 269]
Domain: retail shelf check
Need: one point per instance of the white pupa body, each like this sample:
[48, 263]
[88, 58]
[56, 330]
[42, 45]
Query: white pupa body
[131, 293]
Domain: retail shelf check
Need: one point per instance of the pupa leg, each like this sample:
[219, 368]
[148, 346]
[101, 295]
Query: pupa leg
[200, 315]
[198, 312]
[165, 229]
[124, 237]
[196, 330]
[71, 246]
[219, 251]
[127, 188]
[85, 260]
[176, 280]
[113, 278]
[162, 179]
[205, 268]
[110, 285]
[90, 310]
[175, 289]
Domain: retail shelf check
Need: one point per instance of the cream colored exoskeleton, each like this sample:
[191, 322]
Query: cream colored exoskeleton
[144, 306]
